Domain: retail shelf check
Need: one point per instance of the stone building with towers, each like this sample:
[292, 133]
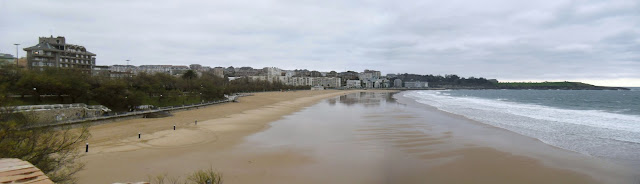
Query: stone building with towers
[55, 52]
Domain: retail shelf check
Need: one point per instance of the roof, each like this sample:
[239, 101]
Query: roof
[47, 46]
[41, 46]
[13, 170]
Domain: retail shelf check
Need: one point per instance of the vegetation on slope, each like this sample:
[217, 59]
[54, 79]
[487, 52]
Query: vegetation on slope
[53, 85]
[54, 151]
[456, 82]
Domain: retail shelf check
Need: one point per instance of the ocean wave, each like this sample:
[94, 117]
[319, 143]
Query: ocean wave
[587, 131]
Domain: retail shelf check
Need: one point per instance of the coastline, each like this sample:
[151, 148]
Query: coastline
[219, 127]
[262, 138]
[601, 169]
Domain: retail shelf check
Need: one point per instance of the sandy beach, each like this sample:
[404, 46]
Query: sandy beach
[289, 137]
[117, 155]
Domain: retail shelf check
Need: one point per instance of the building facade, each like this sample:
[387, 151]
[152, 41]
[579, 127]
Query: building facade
[354, 84]
[218, 71]
[397, 83]
[327, 82]
[55, 52]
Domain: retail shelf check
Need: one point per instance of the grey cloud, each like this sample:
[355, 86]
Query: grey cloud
[549, 40]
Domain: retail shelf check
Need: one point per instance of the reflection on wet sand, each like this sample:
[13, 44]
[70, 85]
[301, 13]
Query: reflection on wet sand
[364, 98]
[369, 137]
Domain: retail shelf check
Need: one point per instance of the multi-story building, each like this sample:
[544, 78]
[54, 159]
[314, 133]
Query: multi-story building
[397, 83]
[381, 83]
[123, 68]
[102, 71]
[365, 76]
[300, 81]
[354, 84]
[273, 71]
[196, 67]
[150, 69]
[289, 73]
[55, 52]
[370, 74]
[368, 83]
[327, 82]
[218, 71]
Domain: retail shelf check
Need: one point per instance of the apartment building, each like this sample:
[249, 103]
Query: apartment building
[327, 82]
[354, 84]
[55, 52]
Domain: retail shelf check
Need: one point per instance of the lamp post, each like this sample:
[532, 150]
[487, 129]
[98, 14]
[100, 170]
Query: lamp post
[35, 92]
[16, 44]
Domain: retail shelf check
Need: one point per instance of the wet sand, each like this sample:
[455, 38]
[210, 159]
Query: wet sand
[357, 138]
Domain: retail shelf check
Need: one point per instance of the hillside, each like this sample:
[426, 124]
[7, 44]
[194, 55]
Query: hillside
[554, 85]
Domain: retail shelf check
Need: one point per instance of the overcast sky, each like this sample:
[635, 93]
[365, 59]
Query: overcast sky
[591, 41]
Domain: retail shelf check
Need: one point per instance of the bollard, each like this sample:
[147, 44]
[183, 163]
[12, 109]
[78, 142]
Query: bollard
[174, 127]
[138, 135]
[87, 148]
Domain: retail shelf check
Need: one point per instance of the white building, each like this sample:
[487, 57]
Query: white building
[273, 71]
[354, 84]
[289, 73]
[365, 76]
[397, 83]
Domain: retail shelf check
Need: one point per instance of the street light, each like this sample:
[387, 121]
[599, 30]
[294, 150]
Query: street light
[35, 93]
[16, 44]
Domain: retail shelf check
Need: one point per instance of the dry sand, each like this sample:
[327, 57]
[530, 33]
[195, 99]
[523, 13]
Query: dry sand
[117, 155]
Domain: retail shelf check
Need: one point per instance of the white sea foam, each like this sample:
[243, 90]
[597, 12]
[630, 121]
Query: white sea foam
[588, 131]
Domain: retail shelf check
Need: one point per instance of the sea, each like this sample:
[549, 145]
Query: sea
[601, 123]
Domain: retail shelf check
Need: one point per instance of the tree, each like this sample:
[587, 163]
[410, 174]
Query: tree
[189, 76]
[52, 150]
[77, 84]
[32, 83]
[112, 94]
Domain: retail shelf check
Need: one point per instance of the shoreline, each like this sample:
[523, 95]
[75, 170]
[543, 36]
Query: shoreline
[219, 128]
[547, 154]
[223, 142]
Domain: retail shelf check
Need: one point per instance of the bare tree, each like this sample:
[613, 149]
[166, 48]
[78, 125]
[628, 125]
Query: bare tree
[55, 151]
